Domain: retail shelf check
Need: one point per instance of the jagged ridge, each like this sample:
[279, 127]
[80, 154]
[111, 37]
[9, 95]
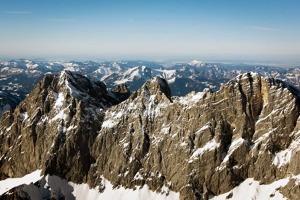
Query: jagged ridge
[198, 146]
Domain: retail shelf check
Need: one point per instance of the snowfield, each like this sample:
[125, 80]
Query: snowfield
[81, 191]
[10, 183]
[249, 189]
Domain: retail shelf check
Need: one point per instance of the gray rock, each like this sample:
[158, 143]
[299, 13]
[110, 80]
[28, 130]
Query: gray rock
[72, 127]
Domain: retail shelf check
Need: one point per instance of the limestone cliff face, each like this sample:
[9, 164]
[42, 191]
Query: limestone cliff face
[199, 145]
[204, 146]
[53, 127]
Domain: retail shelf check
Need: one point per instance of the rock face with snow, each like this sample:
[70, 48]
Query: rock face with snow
[54, 126]
[199, 145]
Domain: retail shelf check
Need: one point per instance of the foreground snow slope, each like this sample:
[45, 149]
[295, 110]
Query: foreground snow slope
[44, 187]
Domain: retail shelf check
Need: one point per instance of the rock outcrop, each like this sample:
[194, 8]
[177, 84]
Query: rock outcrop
[121, 92]
[199, 145]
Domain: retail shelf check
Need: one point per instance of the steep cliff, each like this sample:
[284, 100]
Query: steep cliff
[201, 145]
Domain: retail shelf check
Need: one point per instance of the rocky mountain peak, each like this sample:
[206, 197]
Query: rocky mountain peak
[82, 88]
[68, 110]
[156, 87]
[201, 145]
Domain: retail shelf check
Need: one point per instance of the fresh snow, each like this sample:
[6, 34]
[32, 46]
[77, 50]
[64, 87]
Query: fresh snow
[138, 176]
[172, 80]
[122, 81]
[83, 191]
[283, 157]
[211, 145]
[196, 63]
[251, 189]
[31, 66]
[234, 145]
[153, 109]
[197, 96]
[108, 124]
[24, 116]
[245, 75]
[191, 98]
[165, 129]
[275, 112]
[130, 74]
[206, 126]
[9, 128]
[60, 115]
[168, 74]
[59, 101]
[112, 119]
[70, 67]
[10, 183]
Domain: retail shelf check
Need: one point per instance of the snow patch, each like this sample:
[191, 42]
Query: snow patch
[24, 116]
[282, 158]
[191, 98]
[30, 65]
[206, 126]
[172, 80]
[138, 176]
[209, 146]
[153, 109]
[234, 145]
[251, 189]
[10, 183]
[60, 115]
[59, 101]
[108, 124]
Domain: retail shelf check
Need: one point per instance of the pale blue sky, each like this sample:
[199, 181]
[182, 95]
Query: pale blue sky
[234, 29]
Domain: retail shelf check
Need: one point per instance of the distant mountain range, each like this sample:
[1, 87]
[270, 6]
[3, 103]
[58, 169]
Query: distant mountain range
[18, 77]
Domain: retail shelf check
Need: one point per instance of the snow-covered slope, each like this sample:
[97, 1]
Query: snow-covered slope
[53, 187]
[40, 187]
[8, 184]
[250, 189]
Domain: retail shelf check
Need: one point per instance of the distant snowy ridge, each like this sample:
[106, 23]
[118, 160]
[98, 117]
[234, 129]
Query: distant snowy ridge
[196, 63]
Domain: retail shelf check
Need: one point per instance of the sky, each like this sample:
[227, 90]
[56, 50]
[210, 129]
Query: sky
[150, 29]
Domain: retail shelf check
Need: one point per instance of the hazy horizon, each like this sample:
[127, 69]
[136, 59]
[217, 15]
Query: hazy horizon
[169, 61]
[256, 31]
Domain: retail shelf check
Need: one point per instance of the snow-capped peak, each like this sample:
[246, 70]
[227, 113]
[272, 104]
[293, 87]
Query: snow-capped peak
[196, 63]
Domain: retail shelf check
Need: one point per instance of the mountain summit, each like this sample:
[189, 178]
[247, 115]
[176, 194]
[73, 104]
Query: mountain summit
[193, 147]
